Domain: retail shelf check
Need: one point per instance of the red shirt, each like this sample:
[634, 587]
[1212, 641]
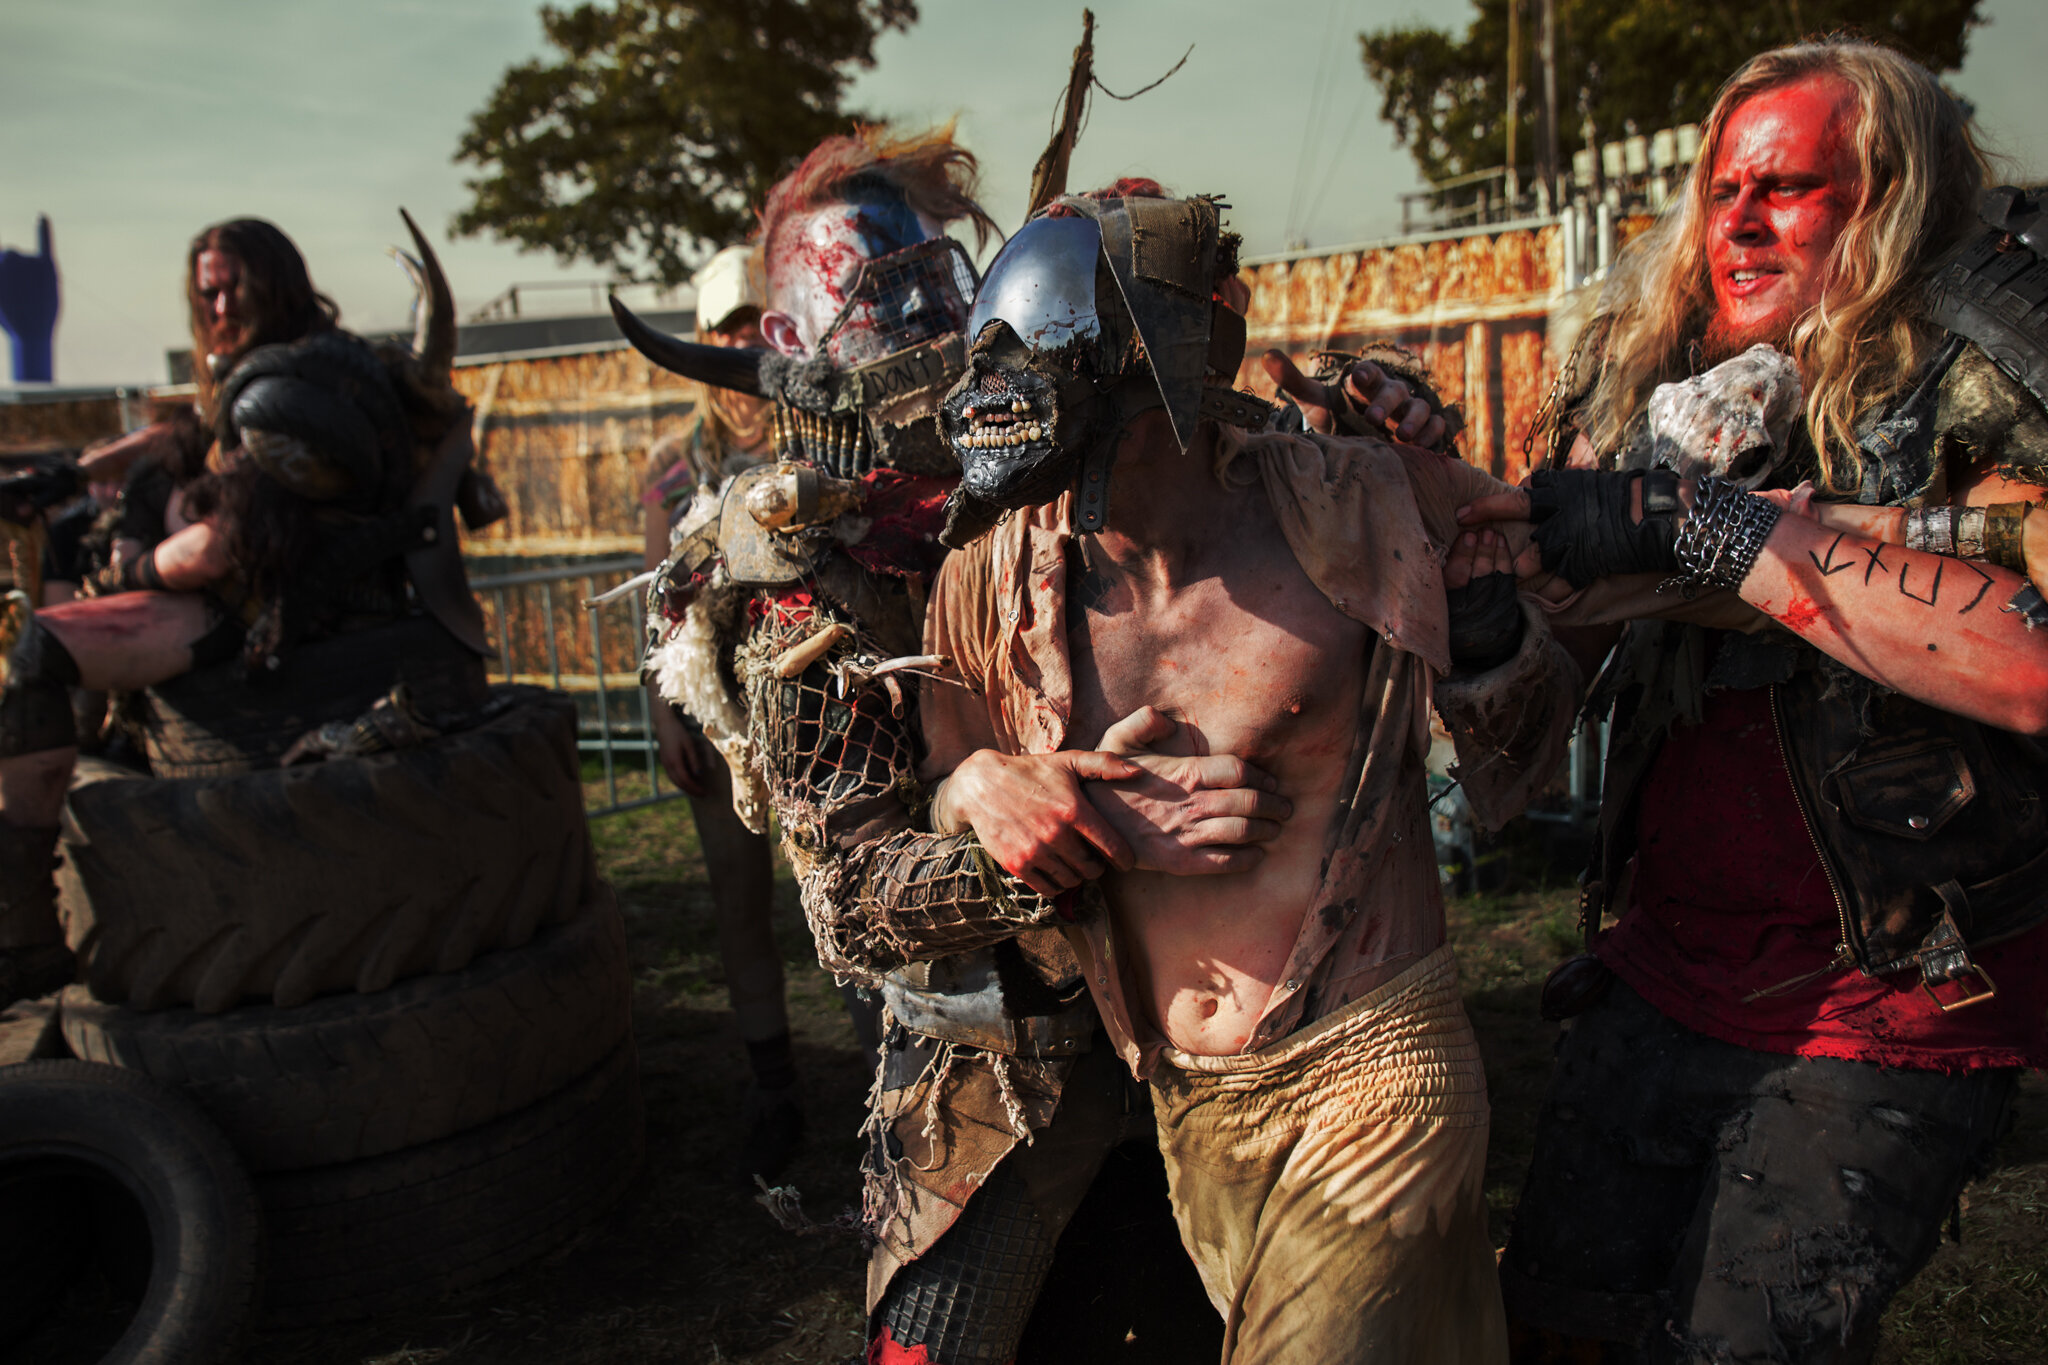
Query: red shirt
[1730, 898]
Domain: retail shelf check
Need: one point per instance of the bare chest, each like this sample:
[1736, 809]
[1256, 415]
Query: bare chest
[1255, 662]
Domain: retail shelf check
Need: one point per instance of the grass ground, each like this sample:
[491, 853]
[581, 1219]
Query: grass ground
[688, 1269]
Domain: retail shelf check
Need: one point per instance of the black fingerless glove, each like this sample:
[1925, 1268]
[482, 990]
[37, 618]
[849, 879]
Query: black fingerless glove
[1486, 622]
[1583, 526]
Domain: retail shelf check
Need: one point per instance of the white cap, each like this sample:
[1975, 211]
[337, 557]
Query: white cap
[729, 281]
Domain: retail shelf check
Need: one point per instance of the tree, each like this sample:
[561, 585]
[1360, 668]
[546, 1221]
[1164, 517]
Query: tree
[645, 140]
[1628, 65]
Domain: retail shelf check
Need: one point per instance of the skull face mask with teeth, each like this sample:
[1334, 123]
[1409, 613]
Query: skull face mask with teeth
[1097, 311]
[875, 304]
[1042, 358]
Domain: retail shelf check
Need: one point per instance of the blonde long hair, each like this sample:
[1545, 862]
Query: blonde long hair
[1923, 174]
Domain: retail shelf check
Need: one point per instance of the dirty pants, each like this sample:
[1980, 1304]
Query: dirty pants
[970, 1298]
[1331, 1187]
[1693, 1200]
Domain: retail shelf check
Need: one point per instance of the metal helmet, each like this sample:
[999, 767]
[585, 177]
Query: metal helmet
[1096, 311]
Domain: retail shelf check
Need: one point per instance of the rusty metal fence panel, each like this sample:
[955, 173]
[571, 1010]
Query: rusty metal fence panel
[547, 635]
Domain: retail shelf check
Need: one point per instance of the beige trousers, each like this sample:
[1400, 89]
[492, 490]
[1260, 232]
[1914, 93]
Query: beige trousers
[1331, 1188]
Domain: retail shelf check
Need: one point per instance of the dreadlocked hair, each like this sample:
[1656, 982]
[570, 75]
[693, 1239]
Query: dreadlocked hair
[936, 177]
[1859, 347]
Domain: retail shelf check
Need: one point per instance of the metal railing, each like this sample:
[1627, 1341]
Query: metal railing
[531, 627]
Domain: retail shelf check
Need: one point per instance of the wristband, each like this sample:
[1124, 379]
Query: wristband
[141, 574]
[1719, 543]
[1960, 531]
[2005, 534]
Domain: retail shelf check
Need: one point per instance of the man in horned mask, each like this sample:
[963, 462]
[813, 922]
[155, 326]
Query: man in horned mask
[326, 509]
[998, 1099]
[1172, 579]
[837, 543]
[1822, 828]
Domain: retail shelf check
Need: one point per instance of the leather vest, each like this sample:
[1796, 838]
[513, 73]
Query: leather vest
[1932, 829]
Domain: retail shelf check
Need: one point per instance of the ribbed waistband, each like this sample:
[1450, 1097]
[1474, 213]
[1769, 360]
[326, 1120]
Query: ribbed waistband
[1401, 996]
[1404, 1051]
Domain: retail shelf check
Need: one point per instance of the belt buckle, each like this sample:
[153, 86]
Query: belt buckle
[1978, 998]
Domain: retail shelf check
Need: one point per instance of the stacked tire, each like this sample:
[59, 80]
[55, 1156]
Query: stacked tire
[395, 983]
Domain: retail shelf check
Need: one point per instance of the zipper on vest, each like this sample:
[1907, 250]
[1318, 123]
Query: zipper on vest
[1848, 951]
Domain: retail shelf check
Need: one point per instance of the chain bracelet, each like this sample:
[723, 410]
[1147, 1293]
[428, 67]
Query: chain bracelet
[1719, 542]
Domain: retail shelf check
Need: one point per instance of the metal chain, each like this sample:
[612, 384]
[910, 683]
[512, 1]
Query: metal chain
[1718, 544]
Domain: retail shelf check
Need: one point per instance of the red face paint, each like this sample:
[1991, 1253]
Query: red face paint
[1785, 183]
[817, 259]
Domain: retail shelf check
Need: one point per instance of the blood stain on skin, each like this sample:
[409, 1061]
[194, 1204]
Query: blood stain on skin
[1801, 615]
[113, 620]
[821, 256]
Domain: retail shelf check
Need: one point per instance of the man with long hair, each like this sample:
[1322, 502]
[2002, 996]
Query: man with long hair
[1821, 824]
[297, 520]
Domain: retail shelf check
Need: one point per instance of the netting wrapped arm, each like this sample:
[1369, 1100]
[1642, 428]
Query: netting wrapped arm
[839, 750]
[911, 896]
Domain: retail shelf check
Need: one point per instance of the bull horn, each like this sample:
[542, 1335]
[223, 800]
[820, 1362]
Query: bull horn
[433, 342]
[724, 367]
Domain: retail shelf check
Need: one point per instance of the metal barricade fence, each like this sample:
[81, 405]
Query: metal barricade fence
[615, 717]
[571, 649]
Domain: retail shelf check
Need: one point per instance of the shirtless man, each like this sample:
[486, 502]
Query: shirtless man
[1172, 582]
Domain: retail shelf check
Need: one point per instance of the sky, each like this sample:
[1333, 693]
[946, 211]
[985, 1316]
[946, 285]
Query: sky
[132, 123]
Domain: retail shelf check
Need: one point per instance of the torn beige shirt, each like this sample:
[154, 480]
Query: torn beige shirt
[1369, 523]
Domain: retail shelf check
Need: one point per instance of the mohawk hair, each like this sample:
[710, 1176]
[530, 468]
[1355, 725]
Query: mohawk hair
[936, 176]
[1129, 187]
